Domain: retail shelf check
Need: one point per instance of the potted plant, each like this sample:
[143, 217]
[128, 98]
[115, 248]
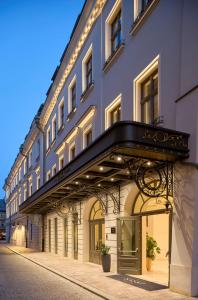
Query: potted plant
[106, 258]
[151, 250]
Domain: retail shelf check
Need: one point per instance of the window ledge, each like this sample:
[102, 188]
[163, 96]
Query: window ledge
[113, 57]
[60, 129]
[87, 91]
[71, 114]
[141, 18]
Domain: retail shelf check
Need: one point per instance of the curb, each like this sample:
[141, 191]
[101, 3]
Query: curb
[70, 279]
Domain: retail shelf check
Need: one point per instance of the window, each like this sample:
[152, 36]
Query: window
[149, 99]
[61, 114]
[140, 6]
[25, 192]
[53, 128]
[87, 71]
[61, 162]
[113, 112]
[113, 30]
[116, 33]
[38, 181]
[48, 175]
[54, 170]
[25, 166]
[146, 95]
[30, 187]
[72, 151]
[38, 148]
[48, 139]
[19, 197]
[87, 136]
[19, 174]
[30, 159]
[72, 95]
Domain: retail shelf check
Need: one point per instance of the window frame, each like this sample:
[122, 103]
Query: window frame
[70, 95]
[48, 134]
[87, 57]
[54, 126]
[72, 146]
[110, 108]
[86, 130]
[61, 159]
[61, 114]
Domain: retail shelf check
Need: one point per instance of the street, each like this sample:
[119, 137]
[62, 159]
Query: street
[22, 279]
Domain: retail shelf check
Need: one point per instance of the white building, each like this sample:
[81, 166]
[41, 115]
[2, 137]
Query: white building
[111, 156]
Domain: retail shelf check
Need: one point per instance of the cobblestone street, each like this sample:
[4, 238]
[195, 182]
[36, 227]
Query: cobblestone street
[21, 279]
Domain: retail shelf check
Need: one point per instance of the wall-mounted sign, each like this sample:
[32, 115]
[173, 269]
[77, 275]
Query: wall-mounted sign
[113, 230]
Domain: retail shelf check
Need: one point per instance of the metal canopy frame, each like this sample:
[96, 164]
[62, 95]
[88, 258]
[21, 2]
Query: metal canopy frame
[128, 151]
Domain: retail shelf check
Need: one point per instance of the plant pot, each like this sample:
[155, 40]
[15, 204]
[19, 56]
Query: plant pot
[148, 263]
[106, 262]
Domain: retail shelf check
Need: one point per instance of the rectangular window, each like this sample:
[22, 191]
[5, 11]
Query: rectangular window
[48, 139]
[61, 162]
[54, 170]
[48, 175]
[25, 166]
[115, 115]
[30, 188]
[116, 33]
[53, 128]
[30, 159]
[19, 174]
[72, 152]
[149, 99]
[140, 7]
[38, 148]
[88, 137]
[25, 193]
[38, 181]
[73, 96]
[61, 114]
[89, 72]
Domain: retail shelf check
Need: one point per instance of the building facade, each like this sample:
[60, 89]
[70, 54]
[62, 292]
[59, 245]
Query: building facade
[111, 156]
[2, 219]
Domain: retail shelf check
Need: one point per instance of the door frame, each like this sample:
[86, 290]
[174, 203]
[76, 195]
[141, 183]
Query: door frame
[156, 212]
[91, 241]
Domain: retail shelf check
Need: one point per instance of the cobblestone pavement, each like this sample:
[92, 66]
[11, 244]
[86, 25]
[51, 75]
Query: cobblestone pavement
[22, 279]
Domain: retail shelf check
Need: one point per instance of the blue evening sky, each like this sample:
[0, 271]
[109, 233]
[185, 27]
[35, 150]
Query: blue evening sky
[33, 35]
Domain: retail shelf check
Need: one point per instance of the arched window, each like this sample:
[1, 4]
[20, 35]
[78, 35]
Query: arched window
[96, 211]
[144, 204]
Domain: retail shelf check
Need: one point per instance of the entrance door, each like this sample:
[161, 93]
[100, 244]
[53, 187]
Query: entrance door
[96, 233]
[129, 245]
[75, 235]
[96, 240]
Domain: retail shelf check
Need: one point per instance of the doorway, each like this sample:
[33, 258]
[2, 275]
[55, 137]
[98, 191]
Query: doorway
[96, 232]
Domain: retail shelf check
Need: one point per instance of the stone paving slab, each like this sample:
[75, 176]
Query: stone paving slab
[91, 276]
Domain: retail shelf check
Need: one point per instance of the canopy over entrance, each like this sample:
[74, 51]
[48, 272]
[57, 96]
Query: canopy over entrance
[126, 151]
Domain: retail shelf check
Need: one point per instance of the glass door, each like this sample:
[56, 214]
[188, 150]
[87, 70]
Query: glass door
[129, 245]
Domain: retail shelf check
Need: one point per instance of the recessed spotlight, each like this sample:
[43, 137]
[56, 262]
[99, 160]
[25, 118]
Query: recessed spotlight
[112, 179]
[101, 169]
[148, 163]
[127, 172]
[119, 158]
[76, 182]
[87, 176]
[99, 184]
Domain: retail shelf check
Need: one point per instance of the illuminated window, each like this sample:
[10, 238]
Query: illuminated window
[140, 7]
[87, 136]
[113, 112]
[48, 175]
[146, 95]
[38, 181]
[149, 99]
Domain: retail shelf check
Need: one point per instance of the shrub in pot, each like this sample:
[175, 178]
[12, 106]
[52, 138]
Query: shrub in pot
[151, 250]
[106, 258]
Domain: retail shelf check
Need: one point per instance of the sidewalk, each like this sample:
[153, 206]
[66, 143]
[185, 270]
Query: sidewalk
[92, 278]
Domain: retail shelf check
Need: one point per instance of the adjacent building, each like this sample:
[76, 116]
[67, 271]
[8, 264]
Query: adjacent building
[111, 156]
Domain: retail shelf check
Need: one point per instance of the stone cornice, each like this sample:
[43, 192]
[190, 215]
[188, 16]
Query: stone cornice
[50, 103]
